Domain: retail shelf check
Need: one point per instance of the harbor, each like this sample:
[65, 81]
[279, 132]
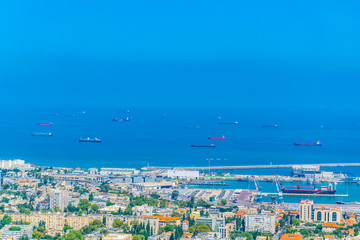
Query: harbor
[148, 168]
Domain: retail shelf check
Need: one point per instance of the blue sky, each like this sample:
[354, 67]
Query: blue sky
[233, 54]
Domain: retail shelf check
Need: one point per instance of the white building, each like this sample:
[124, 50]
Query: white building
[214, 222]
[260, 222]
[183, 174]
[93, 171]
[142, 210]
[119, 171]
[59, 198]
[23, 230]
[16, 163]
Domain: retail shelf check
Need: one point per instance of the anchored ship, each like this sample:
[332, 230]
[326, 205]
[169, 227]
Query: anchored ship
[94, 140]
[42, 134]
[211, 145]
[45, 124]
[318, 143]
[229, 122]
[125, 119]
[217, 138]
[308, 189]
[274, 125]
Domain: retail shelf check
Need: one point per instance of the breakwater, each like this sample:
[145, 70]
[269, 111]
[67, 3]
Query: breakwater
[148, 168]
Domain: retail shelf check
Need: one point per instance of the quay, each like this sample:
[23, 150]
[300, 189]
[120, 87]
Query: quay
[209, 184]
[315, 195]
[252, 166]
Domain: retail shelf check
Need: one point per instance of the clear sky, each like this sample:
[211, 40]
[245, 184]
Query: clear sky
[233, 54]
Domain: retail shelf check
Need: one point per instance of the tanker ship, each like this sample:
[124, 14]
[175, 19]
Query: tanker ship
[217, 138]
[93, 140]
[308, 189]
[318, 143]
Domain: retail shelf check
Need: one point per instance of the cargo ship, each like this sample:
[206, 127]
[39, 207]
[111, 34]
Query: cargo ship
[211, 145]
[42, 134]
[217, 138]
[308, 189]
[194, 127]
[274, 125]
[45, 124]
[125, 119]
[229, 122]
[93, 140]
[318, 143]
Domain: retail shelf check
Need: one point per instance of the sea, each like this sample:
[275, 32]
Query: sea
[162, 137]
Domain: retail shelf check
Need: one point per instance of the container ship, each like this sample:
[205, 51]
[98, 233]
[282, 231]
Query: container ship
[93, 140]
[211, 145]
[45, 124]
[308, 189]
[229, 122]
[217, 138]
[125, 119]
[42, 134]
[318, 143]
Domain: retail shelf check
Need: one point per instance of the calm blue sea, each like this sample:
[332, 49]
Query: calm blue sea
[158, 137]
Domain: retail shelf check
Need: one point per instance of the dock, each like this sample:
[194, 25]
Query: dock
[315, 195]
[253, 166]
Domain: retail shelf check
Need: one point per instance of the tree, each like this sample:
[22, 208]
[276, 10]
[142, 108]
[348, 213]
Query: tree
[103, 231]
[109, 203]
[178, 232]
[117, 223]
[282, 222]
[155, 195]
[223, 202]
[6, 186]
[91, 197]
[172, 237]
[37, 234]
[296, 221]
[67, 227]
[163, 203]
[192, 201]
[175, 195]
[84, 205]
[57, 209]
[169, 228]
[137, 237]
[94, 207]
[5, 221]
[105, 187]
[72, 208]
[73, 235]
[202, 227]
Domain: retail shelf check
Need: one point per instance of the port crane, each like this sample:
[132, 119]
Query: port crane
[211, 159]
[259, 191]
[278, 188]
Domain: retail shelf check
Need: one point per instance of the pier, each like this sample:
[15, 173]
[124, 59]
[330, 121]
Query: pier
[315, 195]
[253, 166]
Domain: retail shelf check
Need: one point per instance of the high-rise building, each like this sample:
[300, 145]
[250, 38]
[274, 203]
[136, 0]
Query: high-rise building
[306, 210]
[59, 198]
[224, 232]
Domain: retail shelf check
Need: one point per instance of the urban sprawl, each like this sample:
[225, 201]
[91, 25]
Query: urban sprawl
[161, 204]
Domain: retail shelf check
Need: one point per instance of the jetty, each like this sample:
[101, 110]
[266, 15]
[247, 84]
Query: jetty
[148, 168]
[314, 195]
